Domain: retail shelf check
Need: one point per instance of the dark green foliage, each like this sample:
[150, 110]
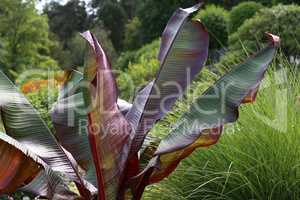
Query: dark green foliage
[154, 15]
[114, 19]
[286, 1]
[100, 3]
[133, 36]
[216, 20]
[130, 7]
[265, 2]
[73, 54]
[24, 37]
[67, 20]
[280, 20]
[241, 12]
[124, 59]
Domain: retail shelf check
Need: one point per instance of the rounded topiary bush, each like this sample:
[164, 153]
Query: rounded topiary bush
[241, 12]
[282, 20]
[216, 20]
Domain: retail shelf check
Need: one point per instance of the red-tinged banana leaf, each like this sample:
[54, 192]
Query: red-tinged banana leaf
[69, 117]
[183, 52]
[201, 126]
[50, 185]
[23, 123]
[108, 129]
[19, 167]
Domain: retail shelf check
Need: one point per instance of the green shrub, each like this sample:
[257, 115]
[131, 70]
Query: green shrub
[241, 12]
[42, 100]
[148, 52]
[124, 59]
[133, 38]
[280, 20]
[228, 4]
[252, 160]
[139, 67]
[216, 20]
[137, 75]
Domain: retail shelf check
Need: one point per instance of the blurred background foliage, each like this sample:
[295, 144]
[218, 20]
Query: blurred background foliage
[48, 36]
[39, 37]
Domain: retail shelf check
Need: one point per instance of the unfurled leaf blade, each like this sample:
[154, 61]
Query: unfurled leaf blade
[23, 123]
[50, 185]
[108, 130]
[70, 118]
[219, 104]
[184, 51]
[19, 167]
[202, 124]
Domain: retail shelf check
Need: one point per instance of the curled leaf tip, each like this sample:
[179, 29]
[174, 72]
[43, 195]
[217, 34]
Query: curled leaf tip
[89, 37]
[198, 21]
[194, 8]
[86, 34]
[274, 39]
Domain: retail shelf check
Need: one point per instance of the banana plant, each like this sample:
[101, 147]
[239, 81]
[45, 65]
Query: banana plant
[101, 141]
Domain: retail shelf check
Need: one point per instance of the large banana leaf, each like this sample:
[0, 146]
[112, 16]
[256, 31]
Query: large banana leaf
[50, 185]
[202, 124]
[183, 52]
[69, 116]
[23, 123]
[19, 167]
[108, 129]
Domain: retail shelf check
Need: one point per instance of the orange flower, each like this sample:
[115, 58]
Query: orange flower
[33, 85]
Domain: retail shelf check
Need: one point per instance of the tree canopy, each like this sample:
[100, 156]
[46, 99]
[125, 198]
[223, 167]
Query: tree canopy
[24, 37]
